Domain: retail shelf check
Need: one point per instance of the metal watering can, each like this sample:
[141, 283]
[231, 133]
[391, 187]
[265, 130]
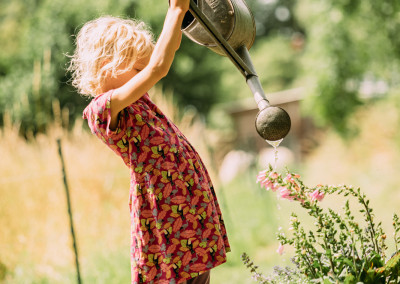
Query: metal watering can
[227, 27]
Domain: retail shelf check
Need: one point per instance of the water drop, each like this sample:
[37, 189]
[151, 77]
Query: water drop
[275, 144]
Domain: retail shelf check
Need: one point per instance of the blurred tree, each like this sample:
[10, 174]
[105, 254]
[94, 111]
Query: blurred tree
[276, 62]
[352, 53]
[275, 52]
[275, 17]
[36, 37]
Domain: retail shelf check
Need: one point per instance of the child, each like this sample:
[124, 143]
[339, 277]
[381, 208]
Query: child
[177, 229]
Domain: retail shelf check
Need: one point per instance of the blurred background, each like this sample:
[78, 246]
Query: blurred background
[334, 65]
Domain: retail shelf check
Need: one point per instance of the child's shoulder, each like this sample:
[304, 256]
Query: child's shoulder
[106, 96]
[98, 103]
[102, 102]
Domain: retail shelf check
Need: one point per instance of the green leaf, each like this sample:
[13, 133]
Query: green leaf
[350, 279]
[394, 261]
[391, 266]
[347, 261]
[316, 264]
[327, 281]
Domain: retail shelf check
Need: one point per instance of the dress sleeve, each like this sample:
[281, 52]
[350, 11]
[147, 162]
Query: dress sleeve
[98, 114]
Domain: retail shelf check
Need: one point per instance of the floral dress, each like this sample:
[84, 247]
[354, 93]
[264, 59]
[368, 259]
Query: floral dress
[177, 229]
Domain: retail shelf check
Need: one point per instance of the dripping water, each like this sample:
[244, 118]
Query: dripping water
[275, 144]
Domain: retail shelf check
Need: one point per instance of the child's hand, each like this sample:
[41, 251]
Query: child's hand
[181, 4]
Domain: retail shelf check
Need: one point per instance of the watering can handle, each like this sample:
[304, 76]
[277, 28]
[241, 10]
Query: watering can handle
[219, 40]
[240, 58]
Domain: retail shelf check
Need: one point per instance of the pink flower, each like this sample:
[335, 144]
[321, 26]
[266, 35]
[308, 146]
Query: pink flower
[267, 181]
[316, 195]
[273, 175]
[284, 192]
[280, 249]
[269, 185]
[290, 177]
[262, 176]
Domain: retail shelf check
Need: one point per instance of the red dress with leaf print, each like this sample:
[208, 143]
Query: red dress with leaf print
[177, 227]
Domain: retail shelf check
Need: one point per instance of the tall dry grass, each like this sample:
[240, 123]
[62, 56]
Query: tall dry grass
[35, 236]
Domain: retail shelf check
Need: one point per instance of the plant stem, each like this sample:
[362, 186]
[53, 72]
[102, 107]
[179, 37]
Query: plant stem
[319, 261]
[320, 222]
[353, 249]
[330, 257]
[372, 231]
[310, 266]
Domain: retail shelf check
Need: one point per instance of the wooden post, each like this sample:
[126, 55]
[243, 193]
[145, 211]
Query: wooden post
[69, 211]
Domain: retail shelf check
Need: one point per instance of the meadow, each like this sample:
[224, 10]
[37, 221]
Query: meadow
[35, 241]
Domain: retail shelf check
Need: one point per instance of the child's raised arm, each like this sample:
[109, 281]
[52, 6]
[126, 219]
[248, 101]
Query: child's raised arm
[159, 64]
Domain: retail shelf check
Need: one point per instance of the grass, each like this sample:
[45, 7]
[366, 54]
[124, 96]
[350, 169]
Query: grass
[35, 242]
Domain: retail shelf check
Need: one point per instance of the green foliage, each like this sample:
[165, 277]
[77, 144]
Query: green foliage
[275, 17]
[276, 63]
[32, 75]
[351, 49]
[195, 77]
[338, 249]
[280, 275]
[3, 271]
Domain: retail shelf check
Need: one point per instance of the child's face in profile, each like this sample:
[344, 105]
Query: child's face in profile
[141, 63]
[123, 78]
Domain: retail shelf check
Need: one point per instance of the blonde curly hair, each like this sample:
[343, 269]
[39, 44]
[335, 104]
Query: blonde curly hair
[107, 46]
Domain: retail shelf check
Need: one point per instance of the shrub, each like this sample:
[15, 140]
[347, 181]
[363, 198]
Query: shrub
[339, 249]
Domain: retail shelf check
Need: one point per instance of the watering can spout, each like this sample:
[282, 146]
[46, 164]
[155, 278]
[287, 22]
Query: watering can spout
[227, 28]
[252, 79]
[272, 123]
